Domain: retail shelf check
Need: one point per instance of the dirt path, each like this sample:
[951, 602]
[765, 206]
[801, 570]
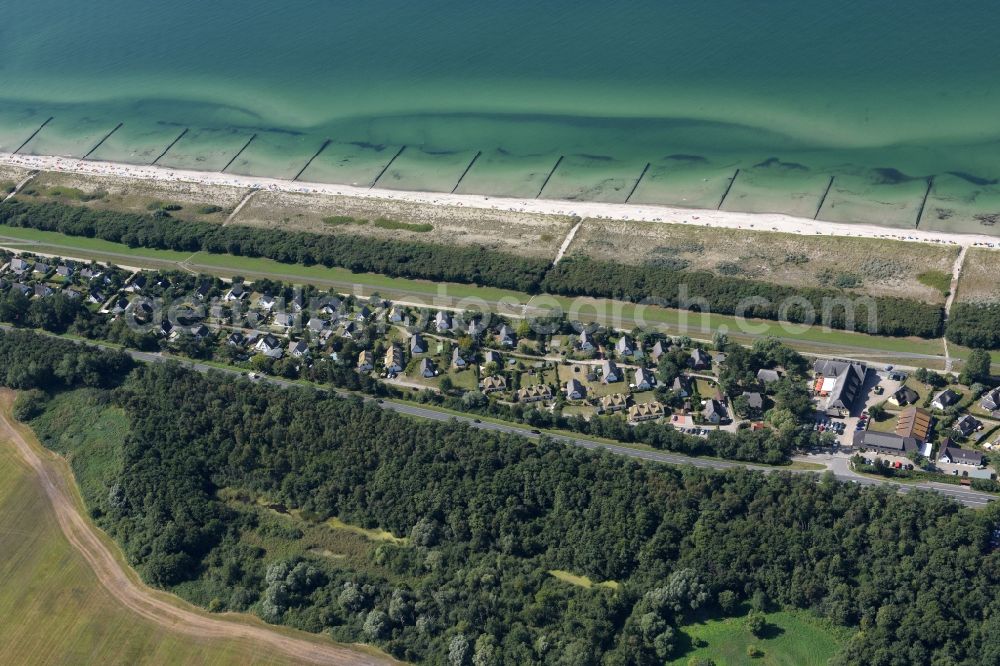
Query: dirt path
[567, 242]
[133, 594]
[956, 275]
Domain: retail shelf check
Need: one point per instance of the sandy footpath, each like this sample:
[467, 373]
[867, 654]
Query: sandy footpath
[648, 213]
[138, 598]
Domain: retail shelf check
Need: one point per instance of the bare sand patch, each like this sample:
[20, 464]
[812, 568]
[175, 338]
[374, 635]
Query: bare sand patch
[526, 234]
[880, 267]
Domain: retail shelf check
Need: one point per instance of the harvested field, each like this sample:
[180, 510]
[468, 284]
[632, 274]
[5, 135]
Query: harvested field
[980, 280]
[526, 234]
[873, 266]
[136, 196]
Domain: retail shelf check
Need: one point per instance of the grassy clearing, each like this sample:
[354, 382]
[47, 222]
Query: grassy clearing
[881, 267]
[583, 581]
[790, 639]
[370, 534]
[90, 435]
[55, 610]
[70, 244]
[937, 280]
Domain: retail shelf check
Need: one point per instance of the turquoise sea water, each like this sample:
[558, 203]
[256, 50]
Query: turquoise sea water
[880, 96]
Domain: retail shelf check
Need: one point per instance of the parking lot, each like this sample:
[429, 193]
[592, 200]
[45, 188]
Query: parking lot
[877, 389]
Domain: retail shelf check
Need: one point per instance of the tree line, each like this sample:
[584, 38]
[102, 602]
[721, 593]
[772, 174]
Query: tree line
[975, 325]
[488, 515]
[476, 265]
[408, 259]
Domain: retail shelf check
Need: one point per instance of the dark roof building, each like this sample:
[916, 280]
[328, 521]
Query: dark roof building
[967, 425]
[884, 442]
[700, 359]
[768, 376]
[991, 401]
[946, 399]
[840, 382]
[952, 454]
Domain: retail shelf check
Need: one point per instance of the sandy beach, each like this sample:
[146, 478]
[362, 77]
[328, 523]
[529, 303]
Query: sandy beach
[638, 212]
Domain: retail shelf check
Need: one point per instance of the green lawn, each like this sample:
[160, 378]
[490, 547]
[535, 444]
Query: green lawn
[792, 639]
[70, 243]
[937, 280]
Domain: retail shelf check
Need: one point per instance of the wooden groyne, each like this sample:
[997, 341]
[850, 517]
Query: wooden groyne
[106, 137]
[822, 199]
[315, 155]
[386, 167]
[637, 181]
[462, 177]
[240, 151]
[728, 188]
[549, 177]
[33, 135]
[923, 202]
[171, 145]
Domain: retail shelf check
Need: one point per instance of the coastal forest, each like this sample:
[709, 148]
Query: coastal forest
[658, 285]
[227, 493]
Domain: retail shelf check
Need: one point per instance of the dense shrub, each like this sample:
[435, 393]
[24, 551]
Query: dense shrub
[975, 325]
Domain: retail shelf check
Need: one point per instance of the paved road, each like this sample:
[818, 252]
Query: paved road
[837, 464]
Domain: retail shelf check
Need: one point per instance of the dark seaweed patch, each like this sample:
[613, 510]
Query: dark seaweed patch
[975, 180]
